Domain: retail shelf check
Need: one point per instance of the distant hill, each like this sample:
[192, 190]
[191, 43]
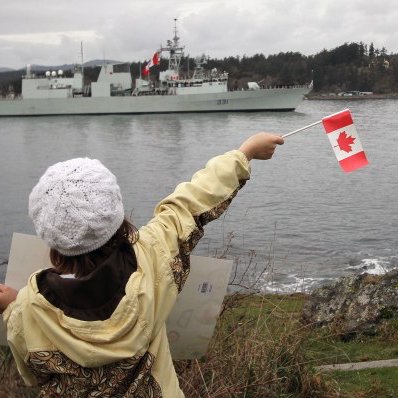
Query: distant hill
[43, 68]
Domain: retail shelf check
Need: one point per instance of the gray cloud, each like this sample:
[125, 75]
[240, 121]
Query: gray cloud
[49, 32]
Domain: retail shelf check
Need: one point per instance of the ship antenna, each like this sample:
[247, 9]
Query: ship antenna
[176, 38]
[81, 53]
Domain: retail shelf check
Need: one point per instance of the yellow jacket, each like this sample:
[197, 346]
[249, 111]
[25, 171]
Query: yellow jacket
[127, 354]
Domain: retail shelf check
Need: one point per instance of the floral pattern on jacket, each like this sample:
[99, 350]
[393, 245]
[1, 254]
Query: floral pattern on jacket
[180, 265]
[60, 376]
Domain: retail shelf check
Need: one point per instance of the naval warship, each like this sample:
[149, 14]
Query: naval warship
[114, 92]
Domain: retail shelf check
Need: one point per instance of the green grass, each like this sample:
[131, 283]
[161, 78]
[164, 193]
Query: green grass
[331, 350]
[323, 346]
[369, 383]
[326, 347]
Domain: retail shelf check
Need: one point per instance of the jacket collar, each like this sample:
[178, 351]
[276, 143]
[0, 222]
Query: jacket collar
[92, 297]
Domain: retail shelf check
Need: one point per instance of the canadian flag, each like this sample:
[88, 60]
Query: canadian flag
[344, 138]
[153, 61]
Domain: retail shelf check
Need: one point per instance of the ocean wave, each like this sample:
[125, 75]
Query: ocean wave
[293, 283]
[374, 266]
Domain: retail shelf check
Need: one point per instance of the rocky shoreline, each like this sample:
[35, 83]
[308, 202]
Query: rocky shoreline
[354, 304]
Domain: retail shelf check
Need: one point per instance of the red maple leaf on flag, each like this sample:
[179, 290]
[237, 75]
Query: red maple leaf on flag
[345, 141]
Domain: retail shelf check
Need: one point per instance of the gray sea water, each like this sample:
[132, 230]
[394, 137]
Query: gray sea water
[300, 218]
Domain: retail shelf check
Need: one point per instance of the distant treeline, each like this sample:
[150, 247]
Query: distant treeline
[349, 67]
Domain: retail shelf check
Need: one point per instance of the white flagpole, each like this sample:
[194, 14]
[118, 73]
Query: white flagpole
[302, 128]
[312, 124]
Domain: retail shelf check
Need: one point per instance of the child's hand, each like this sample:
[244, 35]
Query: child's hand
[261, 146]
[7, 296]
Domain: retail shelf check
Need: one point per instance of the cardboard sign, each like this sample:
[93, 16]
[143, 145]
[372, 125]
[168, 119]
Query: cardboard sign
[193, 318]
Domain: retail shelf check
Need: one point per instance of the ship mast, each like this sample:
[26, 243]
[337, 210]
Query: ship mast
[81, 53]
[176, 51]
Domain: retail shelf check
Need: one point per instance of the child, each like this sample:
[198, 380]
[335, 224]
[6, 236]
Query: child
[94, 325]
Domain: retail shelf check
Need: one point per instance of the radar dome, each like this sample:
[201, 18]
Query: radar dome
[48, 73]
[60, 72]
[53, 73]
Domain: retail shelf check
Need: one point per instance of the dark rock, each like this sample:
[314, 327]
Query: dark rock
[354, 304]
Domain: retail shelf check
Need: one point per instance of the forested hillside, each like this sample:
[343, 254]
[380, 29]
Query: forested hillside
[351, 66]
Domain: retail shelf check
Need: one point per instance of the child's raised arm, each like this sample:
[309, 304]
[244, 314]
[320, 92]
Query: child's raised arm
[179, 219]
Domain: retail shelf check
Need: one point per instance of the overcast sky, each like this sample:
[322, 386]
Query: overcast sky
[49, 32]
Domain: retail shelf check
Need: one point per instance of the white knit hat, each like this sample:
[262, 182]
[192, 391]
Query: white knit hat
[76, 206]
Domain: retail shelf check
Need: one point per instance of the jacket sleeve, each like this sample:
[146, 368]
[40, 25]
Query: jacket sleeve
[13, 320]
[179, 219]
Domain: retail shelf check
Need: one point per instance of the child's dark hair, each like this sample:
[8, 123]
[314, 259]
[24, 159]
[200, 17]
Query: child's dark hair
[83, 264]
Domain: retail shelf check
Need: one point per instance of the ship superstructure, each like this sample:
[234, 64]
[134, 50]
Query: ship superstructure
[172, 82]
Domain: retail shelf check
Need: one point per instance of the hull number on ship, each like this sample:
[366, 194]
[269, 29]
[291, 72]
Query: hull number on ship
[222, 101]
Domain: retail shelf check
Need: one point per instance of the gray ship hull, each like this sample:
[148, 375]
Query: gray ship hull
[273, 99]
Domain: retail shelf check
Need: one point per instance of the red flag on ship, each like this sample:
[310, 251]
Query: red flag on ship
[153, 61]
[344, 138]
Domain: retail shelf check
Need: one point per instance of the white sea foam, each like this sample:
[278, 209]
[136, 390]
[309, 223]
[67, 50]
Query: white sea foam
[298, 284]
[374, 266]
